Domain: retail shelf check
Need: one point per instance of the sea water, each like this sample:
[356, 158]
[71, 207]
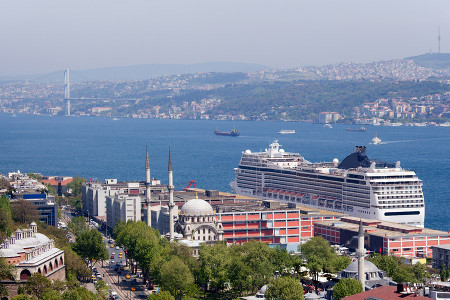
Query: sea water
[105, 148]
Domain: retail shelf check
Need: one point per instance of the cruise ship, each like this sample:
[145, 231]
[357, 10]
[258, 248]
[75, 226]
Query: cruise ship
[357, 186]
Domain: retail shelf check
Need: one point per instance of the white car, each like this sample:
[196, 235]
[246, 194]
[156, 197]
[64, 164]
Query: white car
[117, 248]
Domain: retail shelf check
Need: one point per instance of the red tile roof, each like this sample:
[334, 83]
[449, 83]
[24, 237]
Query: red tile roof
[53, 181]
[385, 292]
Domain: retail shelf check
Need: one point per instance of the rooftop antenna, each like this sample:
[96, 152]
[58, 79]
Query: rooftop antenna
[439, 39]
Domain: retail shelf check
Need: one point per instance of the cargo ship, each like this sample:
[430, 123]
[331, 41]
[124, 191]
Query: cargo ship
[361, 129]
[233, 132]
[357, 186]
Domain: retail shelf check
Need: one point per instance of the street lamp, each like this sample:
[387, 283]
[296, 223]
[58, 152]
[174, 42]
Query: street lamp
[277, 275]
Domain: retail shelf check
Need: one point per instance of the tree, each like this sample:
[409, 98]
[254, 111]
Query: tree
[75, 265]
[59, 286]
[404, 273]
[259, 258]
[79, 293]
[319, 247]
[24, 211]
[346, 287]
[420, 272]
[288, 289]
[89, 245]
[321, 256]
[102, 289]
[444, 272]
[37, 284]
[163, 295]
[387, 263]
[3, 292]
[22, 297]
[339, 263]
[77, 225]
[36, 176]
[50, 295]
[7, 271]
[175, 276]
[214, 261]
[5, 217]
[239, 275]
[4, 183]
[76, 185]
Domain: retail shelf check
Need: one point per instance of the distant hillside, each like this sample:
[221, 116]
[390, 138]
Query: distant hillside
[141, 72]
[432, 60]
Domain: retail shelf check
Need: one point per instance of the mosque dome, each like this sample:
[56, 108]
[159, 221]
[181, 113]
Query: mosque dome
[368, 267]
[197, 207]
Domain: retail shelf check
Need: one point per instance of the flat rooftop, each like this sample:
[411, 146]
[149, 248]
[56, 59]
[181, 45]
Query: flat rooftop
[382, 228]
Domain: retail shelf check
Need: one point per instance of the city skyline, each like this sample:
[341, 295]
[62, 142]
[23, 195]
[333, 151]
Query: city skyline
[52, 35]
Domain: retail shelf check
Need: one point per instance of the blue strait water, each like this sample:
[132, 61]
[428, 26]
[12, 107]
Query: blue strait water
[104, 148]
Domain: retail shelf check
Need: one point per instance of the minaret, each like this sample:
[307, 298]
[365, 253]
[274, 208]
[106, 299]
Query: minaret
[361, 252]
[148, 192]
[171, 204]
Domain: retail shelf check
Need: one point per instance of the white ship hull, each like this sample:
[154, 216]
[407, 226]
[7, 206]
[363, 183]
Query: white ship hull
[386, 193]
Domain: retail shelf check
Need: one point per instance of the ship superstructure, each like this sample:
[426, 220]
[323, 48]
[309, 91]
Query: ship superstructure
[357, 186]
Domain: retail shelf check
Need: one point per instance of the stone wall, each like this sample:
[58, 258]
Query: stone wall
[58, 274]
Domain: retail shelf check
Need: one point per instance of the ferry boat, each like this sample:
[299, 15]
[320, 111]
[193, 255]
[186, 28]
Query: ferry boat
[357, 186]
[376, 140]
[285, 131]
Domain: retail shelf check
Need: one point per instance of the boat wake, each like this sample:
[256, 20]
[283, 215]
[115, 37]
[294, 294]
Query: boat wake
[416, 140]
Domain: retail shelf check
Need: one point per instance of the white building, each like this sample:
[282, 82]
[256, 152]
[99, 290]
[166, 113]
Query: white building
[94, 193]
[328, 117]
[122, 207]
[32, 252]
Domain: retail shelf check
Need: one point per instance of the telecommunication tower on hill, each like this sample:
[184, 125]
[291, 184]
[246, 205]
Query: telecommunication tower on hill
[439, 39]
[67, 91]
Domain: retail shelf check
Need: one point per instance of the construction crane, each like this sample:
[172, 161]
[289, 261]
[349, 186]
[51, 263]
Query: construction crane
[192, 182]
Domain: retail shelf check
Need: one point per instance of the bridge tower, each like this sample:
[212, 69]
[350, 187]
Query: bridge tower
[67, 91]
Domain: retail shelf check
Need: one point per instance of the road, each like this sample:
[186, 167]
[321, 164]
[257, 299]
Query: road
[110, 271]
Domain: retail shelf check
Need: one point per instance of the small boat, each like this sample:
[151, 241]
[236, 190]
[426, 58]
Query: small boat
[284, 131]
[233, 132]
[361, 129]
[376, 140]
[327, 126]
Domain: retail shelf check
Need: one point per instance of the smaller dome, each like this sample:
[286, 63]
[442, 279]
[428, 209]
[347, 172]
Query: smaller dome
[18, 230]
[197, 207]
[263, 289]
[368, 267]
[33, 224]
[311, 296]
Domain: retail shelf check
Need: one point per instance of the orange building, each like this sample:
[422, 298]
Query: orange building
[270, 222]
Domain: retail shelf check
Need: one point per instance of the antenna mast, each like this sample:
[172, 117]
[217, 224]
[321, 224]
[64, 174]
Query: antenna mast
[67, 91]
[439, 39]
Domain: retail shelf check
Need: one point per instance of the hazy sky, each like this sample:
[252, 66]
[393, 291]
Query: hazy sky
[42, 36]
